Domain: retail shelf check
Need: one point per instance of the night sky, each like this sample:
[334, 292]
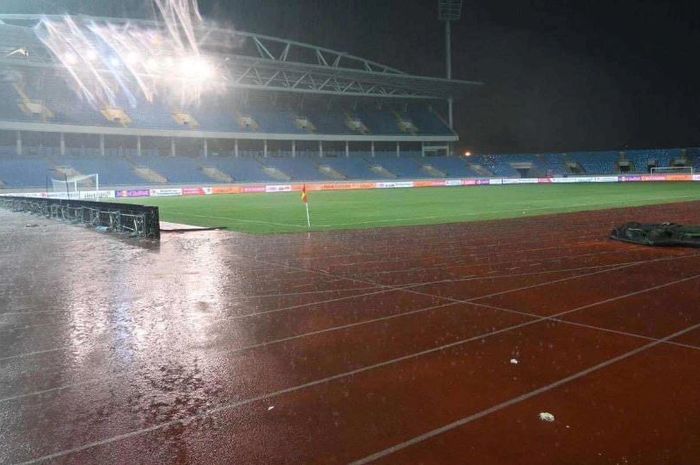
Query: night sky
[560, 75]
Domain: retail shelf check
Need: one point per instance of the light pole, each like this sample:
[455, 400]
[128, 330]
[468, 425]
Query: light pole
[449, 11]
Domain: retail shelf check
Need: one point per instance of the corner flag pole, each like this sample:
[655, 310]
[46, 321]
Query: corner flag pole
[305, 199]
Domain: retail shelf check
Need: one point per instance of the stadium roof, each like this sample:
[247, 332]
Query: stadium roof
[253, 61]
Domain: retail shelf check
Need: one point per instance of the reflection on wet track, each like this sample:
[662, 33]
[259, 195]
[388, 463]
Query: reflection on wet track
[216, 347]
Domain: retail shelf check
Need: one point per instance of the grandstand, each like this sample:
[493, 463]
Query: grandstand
[286, 111]
[279, 110]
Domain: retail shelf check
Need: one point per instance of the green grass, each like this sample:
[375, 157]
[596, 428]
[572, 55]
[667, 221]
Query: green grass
[284, 213]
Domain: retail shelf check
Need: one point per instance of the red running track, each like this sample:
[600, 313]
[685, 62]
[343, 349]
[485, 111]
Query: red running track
[380, 346]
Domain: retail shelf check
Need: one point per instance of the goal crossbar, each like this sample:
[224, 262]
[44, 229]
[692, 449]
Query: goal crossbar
[672, 170]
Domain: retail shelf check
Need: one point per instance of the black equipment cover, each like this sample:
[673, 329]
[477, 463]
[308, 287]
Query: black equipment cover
[663, 234]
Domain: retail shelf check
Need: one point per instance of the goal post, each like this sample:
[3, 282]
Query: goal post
[76, 184]
[672, 170]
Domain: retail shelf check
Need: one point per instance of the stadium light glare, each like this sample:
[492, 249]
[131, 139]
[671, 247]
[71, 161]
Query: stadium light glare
[133, 57]
[195, 68]
[71, 58]
[152, 64]
[467, 154]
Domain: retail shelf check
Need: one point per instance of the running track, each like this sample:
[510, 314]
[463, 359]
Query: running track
[388, 346]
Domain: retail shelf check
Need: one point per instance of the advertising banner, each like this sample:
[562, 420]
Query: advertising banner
[252, 189]
[167, 192]
[226, 190]
[430, 183]
[394, 185]
[279, 188]
[679, 177]
[628, 178]
[193, 191]
[339, 186]
[604, 179]
[520, 181]
[96, 195]
[133, 193]
[570, 179]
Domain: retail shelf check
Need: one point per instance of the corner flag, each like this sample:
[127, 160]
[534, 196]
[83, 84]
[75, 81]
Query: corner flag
[305, 199]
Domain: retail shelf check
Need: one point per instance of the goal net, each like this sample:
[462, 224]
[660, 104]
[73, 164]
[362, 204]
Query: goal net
[672, 170]
[76, 184]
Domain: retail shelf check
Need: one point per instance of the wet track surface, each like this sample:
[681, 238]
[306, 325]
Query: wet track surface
[387, 346]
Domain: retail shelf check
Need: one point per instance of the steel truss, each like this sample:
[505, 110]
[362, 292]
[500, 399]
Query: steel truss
[255, 61]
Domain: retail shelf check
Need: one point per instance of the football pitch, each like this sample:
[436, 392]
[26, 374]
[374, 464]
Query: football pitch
[337, 210]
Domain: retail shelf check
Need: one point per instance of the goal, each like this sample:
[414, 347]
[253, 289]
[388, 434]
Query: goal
[672, 170]
[76, 184]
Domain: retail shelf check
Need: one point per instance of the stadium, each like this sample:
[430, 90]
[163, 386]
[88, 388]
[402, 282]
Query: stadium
[220, 246]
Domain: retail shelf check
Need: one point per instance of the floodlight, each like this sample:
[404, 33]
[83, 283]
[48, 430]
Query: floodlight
[449, 10]
[133, 58]
[195, 68]
[152, 64]
[71, 58]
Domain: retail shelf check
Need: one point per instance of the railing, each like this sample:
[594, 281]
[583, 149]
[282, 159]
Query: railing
[134, 220]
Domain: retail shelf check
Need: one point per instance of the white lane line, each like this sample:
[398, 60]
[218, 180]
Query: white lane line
[244, 349]
[515, 400]
[36, 352]
[377, 286]
[375, 320]
[450, 302]
[385, 289]
[229, 406]
[556, 317]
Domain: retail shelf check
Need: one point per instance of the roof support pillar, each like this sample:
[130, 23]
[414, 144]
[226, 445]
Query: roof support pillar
[450, 120]
[235, 148]
[173, 149]
[448, 48]
[102, 145]
[294, 149]
[347, 149]
[398, 149]
[138, 146]
[320, 149]
[371, 148]
[63, 144]
[205, 148]
[19, 142]
[265, 148]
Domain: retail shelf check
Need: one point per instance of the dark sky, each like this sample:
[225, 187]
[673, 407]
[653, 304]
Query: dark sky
[560, 75]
